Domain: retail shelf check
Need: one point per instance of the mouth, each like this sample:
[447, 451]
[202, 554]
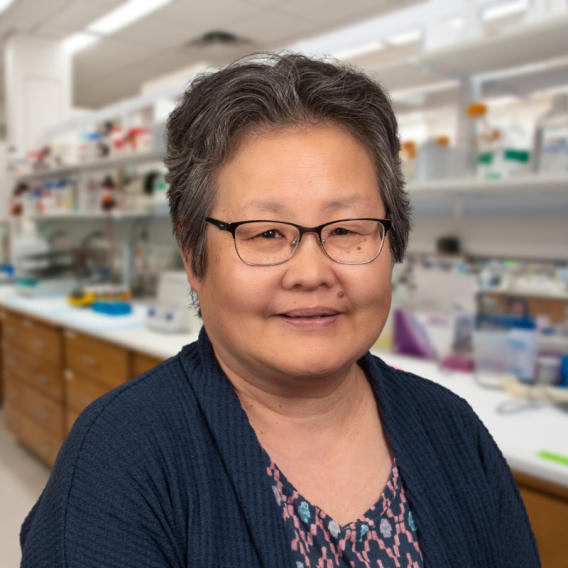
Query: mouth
[310, 313]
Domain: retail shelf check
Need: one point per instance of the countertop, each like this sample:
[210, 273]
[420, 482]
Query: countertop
[521, 435]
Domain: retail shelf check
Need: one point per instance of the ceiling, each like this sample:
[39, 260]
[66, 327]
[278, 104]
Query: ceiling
[115, 67]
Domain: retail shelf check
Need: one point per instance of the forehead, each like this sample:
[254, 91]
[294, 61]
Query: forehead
[296, 173]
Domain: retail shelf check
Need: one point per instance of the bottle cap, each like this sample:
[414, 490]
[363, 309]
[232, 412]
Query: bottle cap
[476, 109]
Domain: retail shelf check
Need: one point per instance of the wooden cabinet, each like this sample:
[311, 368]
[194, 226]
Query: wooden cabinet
[547, 507]
[52, 374]
[142, 363]
[81, 391]
[96, 359]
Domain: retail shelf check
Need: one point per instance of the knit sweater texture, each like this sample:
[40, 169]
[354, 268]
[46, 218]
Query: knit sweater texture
[166, 472]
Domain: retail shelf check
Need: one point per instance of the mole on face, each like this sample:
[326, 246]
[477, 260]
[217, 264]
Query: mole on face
[340, 295]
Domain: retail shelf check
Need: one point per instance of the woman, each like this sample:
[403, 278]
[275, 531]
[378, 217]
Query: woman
[277, 440]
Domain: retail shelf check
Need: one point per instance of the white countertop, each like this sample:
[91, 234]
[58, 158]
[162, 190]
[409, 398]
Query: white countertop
[520, 435]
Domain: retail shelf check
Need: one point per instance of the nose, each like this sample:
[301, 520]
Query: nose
[309, 267]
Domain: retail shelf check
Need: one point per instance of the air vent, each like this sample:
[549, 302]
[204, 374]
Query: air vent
[218, 38]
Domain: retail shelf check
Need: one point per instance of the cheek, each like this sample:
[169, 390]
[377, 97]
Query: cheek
[232, 286]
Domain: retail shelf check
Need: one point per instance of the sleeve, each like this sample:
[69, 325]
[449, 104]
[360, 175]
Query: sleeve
[514, 533]
[108, 501]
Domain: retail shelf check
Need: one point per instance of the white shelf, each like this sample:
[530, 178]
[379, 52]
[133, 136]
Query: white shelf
[102, 164]
[533, 184]
[527, 44]
[116, 215]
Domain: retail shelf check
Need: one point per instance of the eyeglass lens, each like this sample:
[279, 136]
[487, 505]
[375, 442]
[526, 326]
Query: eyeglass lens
[267, 242]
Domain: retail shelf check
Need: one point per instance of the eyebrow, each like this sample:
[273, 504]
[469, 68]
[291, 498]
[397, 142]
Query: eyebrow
[272, 206]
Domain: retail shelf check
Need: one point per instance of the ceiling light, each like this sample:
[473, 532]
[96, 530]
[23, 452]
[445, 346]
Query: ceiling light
[504, 9]
[125, 15]
[79, 41]
[402, 38]
[457, 23]
[358, 50]
[5, 4]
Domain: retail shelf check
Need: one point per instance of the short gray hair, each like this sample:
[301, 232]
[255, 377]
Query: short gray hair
[274, 91]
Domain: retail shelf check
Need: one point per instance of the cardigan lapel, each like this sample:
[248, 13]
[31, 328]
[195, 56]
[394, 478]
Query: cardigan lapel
[242, 456]
[417, 476]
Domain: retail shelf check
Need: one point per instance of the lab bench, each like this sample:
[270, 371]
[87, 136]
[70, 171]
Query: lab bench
[56, 360]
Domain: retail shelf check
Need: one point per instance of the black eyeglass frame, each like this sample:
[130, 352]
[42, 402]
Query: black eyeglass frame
[232, 228]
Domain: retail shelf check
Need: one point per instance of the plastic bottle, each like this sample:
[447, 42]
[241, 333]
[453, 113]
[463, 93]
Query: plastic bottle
[510, 148]
[480, 153]
[551, 138]
[408, 156]
[522, 348]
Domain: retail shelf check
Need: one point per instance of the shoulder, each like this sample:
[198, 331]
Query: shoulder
[437, 410]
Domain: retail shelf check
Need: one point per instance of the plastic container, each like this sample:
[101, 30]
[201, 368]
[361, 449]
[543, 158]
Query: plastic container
[564, 371]
[438, 160]
[522, 348]
[408, 154]
[490, 347]
[551, 138]
[548, 369]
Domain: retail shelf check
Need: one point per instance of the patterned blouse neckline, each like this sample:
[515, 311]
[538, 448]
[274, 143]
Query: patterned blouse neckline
[385, 533]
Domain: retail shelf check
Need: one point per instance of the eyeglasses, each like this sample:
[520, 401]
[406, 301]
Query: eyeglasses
[268, 243]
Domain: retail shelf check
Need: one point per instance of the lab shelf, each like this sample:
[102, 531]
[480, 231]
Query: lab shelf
[113, 214]
[102, 164]
[524, 45]
[532, 184]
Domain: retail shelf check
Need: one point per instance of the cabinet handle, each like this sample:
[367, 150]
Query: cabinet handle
[14, 394]
[39, 343]
[69, 376]
[28, 323]
[11, 361]
[86, 400]
[42, 448]
[40, 377]
[43, 414]
[70, 334]
[91, 361]
[14, 426]
[10, 330]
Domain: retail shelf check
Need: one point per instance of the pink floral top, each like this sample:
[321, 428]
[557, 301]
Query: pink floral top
[384, 537]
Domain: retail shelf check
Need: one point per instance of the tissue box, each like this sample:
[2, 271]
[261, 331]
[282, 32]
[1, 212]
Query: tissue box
[430, 335]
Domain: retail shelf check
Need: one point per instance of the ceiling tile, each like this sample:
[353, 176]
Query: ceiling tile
[79, 14]
[107, 56]
[270, 28]
[160, 32]
[207, 15]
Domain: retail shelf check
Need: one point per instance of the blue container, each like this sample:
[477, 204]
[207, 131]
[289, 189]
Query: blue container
[564, 371]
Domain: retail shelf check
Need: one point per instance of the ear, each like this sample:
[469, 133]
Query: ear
[194, 282]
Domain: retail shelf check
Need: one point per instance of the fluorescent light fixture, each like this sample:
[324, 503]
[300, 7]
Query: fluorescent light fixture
[363, 49]
[5, 4]
[402, 38]
[125, 15]
[504, 9]
[79, 41]
[457, 23]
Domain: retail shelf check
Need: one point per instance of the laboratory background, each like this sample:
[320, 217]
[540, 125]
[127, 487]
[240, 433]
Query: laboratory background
[92, 287]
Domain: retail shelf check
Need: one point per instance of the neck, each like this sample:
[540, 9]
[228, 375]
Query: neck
[326, 410]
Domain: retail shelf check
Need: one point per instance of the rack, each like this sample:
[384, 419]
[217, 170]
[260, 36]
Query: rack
[102, 164]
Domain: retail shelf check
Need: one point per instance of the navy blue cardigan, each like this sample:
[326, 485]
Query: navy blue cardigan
[166, 471]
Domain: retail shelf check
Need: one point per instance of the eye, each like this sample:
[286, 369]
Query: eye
[340, 232]
[272, 234]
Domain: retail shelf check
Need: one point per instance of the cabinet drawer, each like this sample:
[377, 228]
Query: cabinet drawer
[81, 391]
[41, 340]
[70, 417]
[41, 409]
[41, 442]
[142, 363]
[37, 372]
[96, 359]
[12, 329]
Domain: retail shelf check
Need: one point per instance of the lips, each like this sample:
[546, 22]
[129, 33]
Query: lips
[310, 313]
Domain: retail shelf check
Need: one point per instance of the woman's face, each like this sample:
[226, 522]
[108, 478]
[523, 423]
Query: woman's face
[255, 316]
